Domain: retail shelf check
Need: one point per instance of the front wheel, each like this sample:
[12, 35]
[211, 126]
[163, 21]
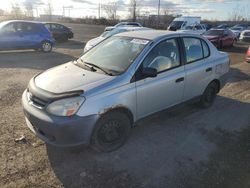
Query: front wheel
[46, 46]
[111, 132]
[209, 95]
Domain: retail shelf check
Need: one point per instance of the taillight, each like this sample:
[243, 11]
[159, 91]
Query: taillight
[248, 52]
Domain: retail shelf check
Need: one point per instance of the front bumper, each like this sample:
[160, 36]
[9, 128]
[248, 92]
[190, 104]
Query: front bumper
[58, 131]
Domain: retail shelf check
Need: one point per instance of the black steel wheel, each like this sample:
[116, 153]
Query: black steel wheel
[111, 132]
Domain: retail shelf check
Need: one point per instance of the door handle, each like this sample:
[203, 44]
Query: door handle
[209, 69]
[179, 80]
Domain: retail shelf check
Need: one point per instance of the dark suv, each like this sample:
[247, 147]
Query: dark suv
[59, 31]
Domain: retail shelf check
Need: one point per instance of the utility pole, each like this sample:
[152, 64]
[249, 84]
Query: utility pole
[99, 10]
[159, 7]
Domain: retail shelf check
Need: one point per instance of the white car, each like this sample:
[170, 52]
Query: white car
[97, 99]
[237, 31]
[194, 29]
[123, 24]
[245, 35]
[93, 42]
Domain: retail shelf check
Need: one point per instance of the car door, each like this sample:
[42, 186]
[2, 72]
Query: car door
[198, 66]
[166, 89]
[227, 38]
[30, 35]
[10, 37]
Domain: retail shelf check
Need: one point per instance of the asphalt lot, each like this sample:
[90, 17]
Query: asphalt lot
[181, 147]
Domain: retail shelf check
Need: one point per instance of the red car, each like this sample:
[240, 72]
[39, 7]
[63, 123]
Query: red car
[248, 55]
[221, 37]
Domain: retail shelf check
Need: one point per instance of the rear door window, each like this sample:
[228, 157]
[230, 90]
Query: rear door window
[29, 27]
[206, 51]
[193, 48]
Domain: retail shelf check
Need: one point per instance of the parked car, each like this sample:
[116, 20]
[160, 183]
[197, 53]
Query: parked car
[222, 26]
[93, 42]
[18, 34]
[123, 24]
[183, 21]
[248, 55]
[97, 98]
[245, 36]
[237, 31]
[207, 26]
[221, 37]
[60, 32]
[195, 29]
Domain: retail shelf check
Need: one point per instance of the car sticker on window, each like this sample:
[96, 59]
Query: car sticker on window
[140, 41]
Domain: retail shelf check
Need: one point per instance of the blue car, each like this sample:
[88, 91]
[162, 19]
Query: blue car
[15, 35]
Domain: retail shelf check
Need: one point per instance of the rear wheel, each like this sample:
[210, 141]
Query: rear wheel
[46, 46]
[111, 132]
[209, 95]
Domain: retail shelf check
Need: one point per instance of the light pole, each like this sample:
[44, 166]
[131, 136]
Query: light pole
[159, 7]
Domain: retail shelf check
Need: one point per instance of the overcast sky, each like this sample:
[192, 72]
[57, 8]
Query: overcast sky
[207, 9]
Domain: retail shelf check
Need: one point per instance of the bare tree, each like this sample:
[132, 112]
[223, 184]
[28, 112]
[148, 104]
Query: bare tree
[240, 13]
[111, 8]
[16, 11]
[28, 8]
[49, 9]
[133, 9]
[2, 12]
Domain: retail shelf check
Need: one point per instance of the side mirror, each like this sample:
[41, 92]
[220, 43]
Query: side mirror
[149, 72]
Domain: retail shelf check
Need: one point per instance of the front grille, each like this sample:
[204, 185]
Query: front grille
[35, 101]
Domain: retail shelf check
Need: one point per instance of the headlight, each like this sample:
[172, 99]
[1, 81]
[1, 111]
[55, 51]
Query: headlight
[65, 107]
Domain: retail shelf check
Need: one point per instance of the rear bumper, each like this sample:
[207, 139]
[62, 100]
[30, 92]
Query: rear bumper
[58, 131]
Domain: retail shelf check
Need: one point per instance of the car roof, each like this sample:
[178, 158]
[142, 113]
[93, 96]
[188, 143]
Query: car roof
[130, 28]
[25, 21]
[149, 34]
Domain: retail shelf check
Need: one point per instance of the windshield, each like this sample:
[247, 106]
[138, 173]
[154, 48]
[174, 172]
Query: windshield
[214, 32]
[115, 54]
[237, 28]
[177, 23]
[188, 28]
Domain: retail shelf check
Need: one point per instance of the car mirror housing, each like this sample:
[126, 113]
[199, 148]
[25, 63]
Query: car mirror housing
[149, 72]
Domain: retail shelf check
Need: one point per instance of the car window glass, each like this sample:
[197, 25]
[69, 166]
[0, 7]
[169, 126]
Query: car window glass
[163, 57]
[205, 49]
[54, 27]
[47, 26]
[115, 53]
[9, 28]
[198, 27]
[193, 49]
[28, 27]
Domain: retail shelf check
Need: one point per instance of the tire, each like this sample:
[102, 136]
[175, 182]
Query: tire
[209, 95]
[46, 46]
[111, 132]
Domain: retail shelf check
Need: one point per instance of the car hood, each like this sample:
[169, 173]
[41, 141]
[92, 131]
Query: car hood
[70, 77]
[210, 37]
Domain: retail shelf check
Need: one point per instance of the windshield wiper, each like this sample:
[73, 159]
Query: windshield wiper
[96, 66]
